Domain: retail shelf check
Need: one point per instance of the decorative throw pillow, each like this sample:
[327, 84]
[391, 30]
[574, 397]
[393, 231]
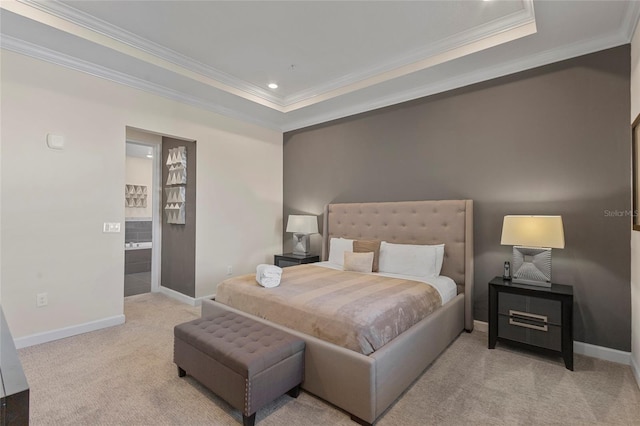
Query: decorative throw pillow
[358, 262]
[365, 246]
[337, 247]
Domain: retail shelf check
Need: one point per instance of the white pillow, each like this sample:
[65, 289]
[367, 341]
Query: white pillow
[411, 259]
[439, 257]
[337, 247]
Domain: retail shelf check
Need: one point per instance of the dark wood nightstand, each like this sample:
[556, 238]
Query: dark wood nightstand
[290, 259]
[536, 318]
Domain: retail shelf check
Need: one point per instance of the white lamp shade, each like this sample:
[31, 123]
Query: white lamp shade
[533, 231]
[302, 224]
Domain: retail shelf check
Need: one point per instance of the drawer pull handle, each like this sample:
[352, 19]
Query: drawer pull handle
[527, 320]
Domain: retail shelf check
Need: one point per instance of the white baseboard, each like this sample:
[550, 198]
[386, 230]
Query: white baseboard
[600, 352]
[636, 370]
[61, 333]
[481, 326]
[586, 349]
[193, 301]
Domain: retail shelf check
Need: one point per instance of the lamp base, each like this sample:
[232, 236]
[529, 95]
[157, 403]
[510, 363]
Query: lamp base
[531, 282]
[532, 266]
[301, 244]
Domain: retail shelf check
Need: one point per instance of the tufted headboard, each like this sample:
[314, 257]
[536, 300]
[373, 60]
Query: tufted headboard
[412, 222]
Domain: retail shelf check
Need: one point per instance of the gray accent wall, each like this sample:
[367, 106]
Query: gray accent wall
[179, 241]
[551, 140]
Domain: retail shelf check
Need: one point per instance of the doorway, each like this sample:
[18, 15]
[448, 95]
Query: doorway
[142, 198]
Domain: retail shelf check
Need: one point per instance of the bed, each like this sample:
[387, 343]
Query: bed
[366, 385]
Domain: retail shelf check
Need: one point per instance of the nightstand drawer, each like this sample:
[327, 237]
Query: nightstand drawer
[533, 332]
[551, 309]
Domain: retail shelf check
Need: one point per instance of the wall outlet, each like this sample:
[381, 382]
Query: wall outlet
[229, 269]
[41, 300]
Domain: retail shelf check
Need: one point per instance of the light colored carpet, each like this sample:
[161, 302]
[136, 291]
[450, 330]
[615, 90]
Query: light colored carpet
[124, 375]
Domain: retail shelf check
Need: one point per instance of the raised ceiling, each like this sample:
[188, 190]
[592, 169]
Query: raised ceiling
[329, 59]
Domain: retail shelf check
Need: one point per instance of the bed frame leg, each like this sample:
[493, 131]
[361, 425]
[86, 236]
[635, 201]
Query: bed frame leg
[181, 372]
[360, 421]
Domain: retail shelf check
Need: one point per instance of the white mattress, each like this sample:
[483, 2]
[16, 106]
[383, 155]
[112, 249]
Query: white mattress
[444, 285]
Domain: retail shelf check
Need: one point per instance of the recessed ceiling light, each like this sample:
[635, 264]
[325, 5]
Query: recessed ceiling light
[273, 86]
[149, 155]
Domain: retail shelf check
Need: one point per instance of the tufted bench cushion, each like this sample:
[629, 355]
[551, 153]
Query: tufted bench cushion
[247, 346]
[246, 363]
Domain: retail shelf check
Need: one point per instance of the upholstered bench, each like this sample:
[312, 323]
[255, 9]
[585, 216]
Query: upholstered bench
[246, 363]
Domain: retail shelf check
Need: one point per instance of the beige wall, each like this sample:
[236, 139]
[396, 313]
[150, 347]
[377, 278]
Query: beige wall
[55, 202]
[635, 235]
[139, 171]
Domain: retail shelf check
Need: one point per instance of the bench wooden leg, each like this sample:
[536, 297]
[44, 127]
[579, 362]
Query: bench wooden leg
[181, 372]
[249, 420]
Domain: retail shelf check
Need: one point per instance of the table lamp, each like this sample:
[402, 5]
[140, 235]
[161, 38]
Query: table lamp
[302, 226]
[532, 238]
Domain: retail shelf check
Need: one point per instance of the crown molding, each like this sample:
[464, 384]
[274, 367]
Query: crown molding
[416, 67]
[630, 20]
[92, 23]
[622, 36]
[22, 8]
[487, 73]
[476, 76]
[38, 52]
[500, 30]
[473, 36]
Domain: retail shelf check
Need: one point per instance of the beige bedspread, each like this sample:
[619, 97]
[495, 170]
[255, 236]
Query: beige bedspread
[361, 312]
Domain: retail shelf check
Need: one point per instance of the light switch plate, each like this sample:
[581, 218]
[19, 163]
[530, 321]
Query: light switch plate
[109, 227]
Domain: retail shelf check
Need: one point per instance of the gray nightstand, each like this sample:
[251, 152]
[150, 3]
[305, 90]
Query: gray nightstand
[536, 318]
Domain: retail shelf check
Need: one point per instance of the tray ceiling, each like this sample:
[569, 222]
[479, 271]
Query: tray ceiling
[329, 59]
